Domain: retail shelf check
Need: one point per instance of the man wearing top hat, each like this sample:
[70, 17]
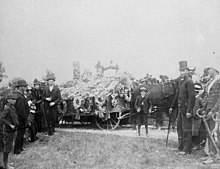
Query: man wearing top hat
[186, 101]
[22, 109]
[52, 97]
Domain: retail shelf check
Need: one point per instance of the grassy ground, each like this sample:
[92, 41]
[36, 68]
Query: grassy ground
[67, 150]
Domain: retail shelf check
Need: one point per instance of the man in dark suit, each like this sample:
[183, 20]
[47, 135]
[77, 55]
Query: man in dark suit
[22, 109]
[52, 97]
[186, 101]
[36, 93]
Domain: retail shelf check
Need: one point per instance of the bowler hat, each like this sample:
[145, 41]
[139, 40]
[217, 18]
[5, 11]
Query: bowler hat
[11, 96]
[183, 65]
[21, 83]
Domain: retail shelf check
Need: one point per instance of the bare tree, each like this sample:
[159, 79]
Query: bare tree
[2, 71]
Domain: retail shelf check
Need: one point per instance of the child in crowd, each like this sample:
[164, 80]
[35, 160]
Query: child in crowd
[9, 119]
[142, 107]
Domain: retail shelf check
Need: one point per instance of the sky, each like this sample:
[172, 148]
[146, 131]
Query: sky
[144, 36]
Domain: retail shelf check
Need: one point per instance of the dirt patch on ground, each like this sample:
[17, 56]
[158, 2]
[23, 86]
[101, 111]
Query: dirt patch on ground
[127, 132]
[89, 148]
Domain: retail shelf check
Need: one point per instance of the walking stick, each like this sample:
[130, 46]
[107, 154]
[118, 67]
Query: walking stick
[44, 114]
[168, 132]
[208, 130]
[170, 114]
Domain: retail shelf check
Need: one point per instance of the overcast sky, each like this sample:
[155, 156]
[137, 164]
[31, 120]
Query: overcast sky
[142, 36]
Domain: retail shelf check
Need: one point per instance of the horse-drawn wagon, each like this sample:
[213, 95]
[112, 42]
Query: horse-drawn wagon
[93, 102]
[106, 102]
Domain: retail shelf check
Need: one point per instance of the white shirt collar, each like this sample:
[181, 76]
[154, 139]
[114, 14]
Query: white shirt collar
[51, 88]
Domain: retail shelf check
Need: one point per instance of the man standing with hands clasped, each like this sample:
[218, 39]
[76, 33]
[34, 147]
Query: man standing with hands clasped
[22, 110]
[186, 101]
[52, 97]
[142, 107]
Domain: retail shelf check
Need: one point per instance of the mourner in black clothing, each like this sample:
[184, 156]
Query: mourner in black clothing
[186, 101]
[37, 100]
[142, 108]
[32, 115]
[10, 122]
[22, 109]
[52, 97]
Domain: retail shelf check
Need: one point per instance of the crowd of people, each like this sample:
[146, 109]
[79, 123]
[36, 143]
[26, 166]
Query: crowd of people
[27, 108]
[194, 101]
[191, 103]
[36, 108]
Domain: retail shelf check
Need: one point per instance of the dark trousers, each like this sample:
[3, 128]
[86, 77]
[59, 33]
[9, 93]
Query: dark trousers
[19, 140]
[184, 130]
[133, 117]
[51, 114]
[159, 119]
[142, 119]
[38, 117]
[1, 138]
[8, 141]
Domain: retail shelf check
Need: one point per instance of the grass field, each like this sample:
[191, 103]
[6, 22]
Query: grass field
[79, 150]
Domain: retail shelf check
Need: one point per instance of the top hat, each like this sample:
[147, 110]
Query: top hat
[183, 65]
[21, 83]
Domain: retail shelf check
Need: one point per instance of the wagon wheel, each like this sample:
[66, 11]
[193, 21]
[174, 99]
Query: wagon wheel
[60, 119]
[84, 120]
[110, 123]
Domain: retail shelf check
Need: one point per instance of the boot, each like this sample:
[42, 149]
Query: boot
[5, 161]
[146, 128]
[134, 127]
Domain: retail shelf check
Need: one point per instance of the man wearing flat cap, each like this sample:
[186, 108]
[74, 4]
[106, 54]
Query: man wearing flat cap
[186, 101]
[52, 97]
[10, 122]
[142, 107]
[22, 109]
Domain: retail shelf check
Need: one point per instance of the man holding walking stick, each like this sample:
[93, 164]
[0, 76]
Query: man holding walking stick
[186, 101]
[211, 110]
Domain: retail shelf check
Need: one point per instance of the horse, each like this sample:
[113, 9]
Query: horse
[161, 96]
